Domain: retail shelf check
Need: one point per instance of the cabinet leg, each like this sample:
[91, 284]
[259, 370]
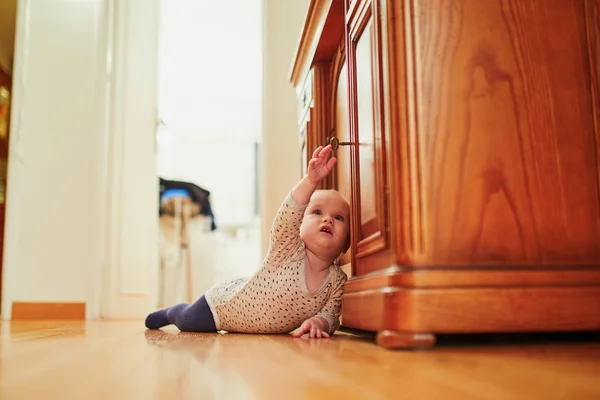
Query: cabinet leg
[404, 340]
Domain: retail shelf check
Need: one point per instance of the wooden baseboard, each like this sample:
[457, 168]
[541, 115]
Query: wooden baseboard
[48, 311]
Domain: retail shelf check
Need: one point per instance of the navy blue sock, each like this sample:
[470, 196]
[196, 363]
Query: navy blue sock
[157, 319]
[196, 317]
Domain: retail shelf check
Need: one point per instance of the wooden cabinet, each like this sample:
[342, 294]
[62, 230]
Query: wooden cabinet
[469, 147]
[5, 101]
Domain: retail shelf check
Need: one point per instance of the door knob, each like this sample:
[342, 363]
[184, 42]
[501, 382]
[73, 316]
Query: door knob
[335, 143]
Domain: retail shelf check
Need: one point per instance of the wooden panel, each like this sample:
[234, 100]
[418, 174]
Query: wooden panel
[342, 132]
[5, 106]
[507, 134]
[592, 12]
[406, 278]
[48, 311]
[474, 310]
[366, 151]
[322, 16]
[367, 126]
[322, 100]
[351, 8]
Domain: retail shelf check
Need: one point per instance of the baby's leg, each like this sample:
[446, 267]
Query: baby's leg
[196, 317]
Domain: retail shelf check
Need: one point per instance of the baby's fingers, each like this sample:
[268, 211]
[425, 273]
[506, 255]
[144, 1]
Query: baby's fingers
[325, 152]
[322, 334]
[317, 151]
[299, 332]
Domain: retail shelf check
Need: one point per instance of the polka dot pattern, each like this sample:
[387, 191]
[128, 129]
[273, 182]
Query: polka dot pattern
[276, 299]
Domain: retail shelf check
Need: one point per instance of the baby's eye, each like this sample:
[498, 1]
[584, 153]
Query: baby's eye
[317, 212]
[339, 218]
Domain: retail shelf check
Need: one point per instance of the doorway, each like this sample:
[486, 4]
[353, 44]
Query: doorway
[210, 113]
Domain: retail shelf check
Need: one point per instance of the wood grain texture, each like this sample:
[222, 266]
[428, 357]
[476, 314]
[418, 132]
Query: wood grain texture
[405, 222]
[367, 121]
[317, 120]
[592, 12]
[484, 119]
[322, 16]
[6, 81]
[507, 132]
[474, 310]
[121, 360]
[343, 178]
[309, 40]
[407, 278]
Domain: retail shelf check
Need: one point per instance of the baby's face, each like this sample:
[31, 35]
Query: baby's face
[325, 227]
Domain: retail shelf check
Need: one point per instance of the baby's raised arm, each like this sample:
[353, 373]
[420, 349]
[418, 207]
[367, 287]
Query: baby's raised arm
[318, 168]
[285, 231]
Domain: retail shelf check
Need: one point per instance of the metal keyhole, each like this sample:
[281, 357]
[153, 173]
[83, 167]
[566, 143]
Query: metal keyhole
[335, 143]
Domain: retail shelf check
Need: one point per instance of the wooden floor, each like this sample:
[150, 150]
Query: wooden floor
[121, 360]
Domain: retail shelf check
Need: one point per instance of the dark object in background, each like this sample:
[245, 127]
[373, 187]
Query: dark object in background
[199, 196]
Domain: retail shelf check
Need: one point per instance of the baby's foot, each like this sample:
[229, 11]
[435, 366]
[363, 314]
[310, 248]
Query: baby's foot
[157, 319]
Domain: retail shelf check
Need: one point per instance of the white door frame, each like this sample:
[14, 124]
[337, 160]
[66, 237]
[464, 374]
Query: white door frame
[126, 286]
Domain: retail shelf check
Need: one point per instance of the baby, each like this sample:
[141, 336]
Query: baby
[299, 288]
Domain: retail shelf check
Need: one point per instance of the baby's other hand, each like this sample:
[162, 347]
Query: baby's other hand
[313, 327]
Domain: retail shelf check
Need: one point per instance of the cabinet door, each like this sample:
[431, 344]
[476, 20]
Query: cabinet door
[508, 120]
[366, 116]
[341, 130]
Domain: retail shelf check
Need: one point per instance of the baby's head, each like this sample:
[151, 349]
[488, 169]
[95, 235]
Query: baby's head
[325, 228]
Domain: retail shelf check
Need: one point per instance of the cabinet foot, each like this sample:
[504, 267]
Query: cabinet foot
[404, 340]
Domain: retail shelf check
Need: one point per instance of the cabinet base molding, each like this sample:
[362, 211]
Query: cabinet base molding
[407, 308]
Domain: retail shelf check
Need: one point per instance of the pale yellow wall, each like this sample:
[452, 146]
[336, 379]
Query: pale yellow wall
[280, 168]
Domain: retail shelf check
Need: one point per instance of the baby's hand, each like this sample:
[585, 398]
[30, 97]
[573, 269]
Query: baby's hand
[320, 165]
[314, 326]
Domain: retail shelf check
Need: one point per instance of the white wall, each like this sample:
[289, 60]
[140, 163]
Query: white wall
[81, 221]
[280, 168]
[56, 164]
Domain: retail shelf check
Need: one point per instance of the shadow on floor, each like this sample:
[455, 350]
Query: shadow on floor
[496, 339]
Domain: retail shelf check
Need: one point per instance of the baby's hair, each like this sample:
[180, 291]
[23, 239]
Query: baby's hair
[335, 191]
[339, 194]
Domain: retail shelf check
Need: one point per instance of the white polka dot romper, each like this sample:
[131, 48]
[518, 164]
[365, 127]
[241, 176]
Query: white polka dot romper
[276, 298]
